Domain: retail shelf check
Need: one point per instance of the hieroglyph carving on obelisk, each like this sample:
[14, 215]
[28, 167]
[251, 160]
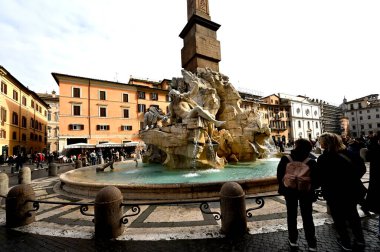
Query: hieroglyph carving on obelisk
[199, 7]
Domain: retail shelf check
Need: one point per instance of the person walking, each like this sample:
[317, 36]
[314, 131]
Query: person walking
[39, 160]
[372, 202]
[93, 157]
[340, 174]
[295, 196]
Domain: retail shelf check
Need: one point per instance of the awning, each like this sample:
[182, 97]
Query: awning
[131, 144]
[80, 146]
[109, 144]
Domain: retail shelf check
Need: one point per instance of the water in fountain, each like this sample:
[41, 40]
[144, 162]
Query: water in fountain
[210, 150]
[195, 151]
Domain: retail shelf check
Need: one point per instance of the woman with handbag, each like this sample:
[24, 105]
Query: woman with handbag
[340, 172]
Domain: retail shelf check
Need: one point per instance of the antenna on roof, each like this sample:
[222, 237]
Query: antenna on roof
[115, 78]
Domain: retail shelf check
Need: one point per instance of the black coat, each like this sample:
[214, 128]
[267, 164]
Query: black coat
[373, 199]
[281, 173]
[340, 177]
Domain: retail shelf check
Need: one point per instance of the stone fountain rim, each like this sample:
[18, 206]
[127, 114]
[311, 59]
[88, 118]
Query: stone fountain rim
[175, 192]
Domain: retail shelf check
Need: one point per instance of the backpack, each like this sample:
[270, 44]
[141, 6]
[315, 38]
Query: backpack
[297, 175]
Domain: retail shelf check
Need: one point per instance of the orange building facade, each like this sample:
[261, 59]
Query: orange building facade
[97, 111]
[22, 118]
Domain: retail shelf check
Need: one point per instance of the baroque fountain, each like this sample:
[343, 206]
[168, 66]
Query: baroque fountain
[205, 140]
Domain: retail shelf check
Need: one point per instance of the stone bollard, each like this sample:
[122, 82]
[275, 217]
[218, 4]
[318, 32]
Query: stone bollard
[4, 184]
[25, 176]
[233, 211]
[53, 169]
[108, 213]
[78, 164]
[16, 207]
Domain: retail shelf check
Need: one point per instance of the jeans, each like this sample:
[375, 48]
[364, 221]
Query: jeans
[306, 206]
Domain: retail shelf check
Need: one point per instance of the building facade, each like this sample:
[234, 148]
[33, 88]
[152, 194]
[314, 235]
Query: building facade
[97, 111]
[22, 118]
[304, 117]
[363, 115]
[274, 114]
[52, 120]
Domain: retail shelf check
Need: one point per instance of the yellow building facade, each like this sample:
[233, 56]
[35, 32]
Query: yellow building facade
[97, 111]
[22, 118]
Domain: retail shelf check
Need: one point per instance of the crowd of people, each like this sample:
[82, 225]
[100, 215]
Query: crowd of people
[337, 172]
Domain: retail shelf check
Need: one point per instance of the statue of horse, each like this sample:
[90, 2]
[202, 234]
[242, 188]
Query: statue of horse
[152, 116]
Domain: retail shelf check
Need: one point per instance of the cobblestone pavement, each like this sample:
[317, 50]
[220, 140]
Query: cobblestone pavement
[164, 227]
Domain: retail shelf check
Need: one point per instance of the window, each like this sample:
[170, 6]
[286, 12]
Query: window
[4, 88]
[377, 116]
[40, 138]
[378, 125]
[352, 113]
[125, 97]
[102, 95]
[369, 117]
[15, 95]
[76, 110]
[102, 111]
[126, 113]
[353, 127]
[299, 124]
[360, 112]
[368, 111]
[31, 122]
[102, 127]
[23, 137]
[3, 115]
[49, 116]
[23, 122]
[141, 108]
[360, 118]
[31, 136]
[3, 134]
[351, 106]
[14, 135]
[370, 126]
[353, 118]
[76, 92]
[316, 125]
[308, 125]
[154, 96]
[14, 118]
[361, 126]
[31, 103]
[126, 127]
[360, 105]
[24, 100]
[76, 127]
[141, 95]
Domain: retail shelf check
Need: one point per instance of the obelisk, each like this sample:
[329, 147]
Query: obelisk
[200, 47]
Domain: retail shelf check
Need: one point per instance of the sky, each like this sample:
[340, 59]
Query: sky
[325, 49]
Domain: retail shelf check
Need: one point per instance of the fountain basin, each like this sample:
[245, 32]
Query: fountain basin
[154, 183]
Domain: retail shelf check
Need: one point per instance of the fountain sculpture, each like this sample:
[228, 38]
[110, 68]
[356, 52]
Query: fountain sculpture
[206, 126]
